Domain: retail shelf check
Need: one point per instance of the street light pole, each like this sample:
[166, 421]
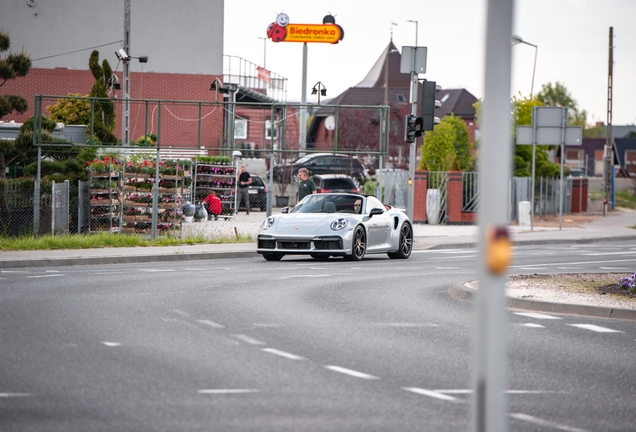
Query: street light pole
[416, 26]
[517, 40]
[264, 51]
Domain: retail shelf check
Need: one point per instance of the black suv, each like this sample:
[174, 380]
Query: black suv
[326, 183]
[321, 163]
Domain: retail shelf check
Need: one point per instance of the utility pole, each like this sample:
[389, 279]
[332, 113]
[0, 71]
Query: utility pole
[609, 142]
[125, 131]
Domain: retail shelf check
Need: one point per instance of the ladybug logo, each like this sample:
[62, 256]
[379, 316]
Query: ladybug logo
[277, 31]
[330, 19]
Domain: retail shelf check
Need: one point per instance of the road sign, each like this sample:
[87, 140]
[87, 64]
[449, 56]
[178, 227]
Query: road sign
[406, 59]
[550, 135]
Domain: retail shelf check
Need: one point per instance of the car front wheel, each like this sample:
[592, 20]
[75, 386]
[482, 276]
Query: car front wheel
[405, 246]
[273, 256]
[359, 247]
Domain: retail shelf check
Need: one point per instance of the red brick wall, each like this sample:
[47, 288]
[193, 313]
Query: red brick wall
[419, 200]
[579, 195]
[179, 126]
[454, 199]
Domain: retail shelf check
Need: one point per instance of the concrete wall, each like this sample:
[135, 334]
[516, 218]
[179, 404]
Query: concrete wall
[184, 36]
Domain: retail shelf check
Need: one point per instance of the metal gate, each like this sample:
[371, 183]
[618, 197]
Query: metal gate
[436, 197]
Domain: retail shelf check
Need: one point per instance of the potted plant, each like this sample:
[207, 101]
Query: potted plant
[285, 179]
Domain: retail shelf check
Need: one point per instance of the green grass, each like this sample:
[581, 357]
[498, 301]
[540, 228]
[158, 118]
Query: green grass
[105, 240]
[626, 199]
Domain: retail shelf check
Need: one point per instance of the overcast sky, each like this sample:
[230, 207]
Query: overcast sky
[572, 38]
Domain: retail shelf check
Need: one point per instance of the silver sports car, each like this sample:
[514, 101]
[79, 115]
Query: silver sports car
[336, 224]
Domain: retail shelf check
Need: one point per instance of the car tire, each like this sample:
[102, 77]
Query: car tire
[359, 245]
[405, 245]
[320, 257]
[273, 256]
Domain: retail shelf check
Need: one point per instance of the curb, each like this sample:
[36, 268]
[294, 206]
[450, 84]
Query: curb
[125, 259]
[459, 291]
[531, 242]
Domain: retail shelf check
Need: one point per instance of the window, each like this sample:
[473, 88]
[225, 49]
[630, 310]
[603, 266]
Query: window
[268, 130]
[400, 97]
[574, 158]
[240, 128]
[630, 161]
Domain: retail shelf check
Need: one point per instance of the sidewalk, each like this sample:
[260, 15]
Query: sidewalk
[616, 226]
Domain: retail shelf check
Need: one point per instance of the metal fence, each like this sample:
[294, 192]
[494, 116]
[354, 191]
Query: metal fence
[547, 195]
[436, 197]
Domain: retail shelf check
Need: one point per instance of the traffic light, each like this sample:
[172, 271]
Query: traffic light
[429, 103]
[412, 128]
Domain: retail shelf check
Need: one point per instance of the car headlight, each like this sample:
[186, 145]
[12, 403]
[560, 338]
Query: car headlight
[267, 223]
[339, 224]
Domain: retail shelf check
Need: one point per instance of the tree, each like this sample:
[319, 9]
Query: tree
[447, 146]
[11, 66]
[73, 110]
[104, 115]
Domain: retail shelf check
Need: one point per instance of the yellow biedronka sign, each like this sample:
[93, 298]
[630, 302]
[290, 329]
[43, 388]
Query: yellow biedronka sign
[327, 33]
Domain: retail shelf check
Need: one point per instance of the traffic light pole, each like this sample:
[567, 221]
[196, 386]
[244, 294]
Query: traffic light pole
[412, 153]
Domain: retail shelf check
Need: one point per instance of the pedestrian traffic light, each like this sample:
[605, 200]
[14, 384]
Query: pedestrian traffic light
[429, 103]
[412, 128]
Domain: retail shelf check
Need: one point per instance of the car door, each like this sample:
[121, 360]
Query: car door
[378, 226]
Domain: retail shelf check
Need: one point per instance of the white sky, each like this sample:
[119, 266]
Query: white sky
[572, 38]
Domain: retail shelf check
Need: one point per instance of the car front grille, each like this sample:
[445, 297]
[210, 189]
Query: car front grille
[266, 244]
[301, 245]
[328, 244]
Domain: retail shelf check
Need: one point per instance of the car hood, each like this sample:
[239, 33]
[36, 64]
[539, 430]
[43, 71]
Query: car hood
[297, 223]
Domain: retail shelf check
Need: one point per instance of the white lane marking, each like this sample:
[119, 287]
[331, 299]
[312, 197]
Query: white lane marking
[399, 324]
[248, 339]
[196, 269]
[227, 391]
[211, 323]
[14, 271]
[614, 268]
[595, 328]
[537, 315]
[541, 422]
[351, 372]
[449, 268]
[9, 395]
[532, 268]
[301, 276]
[43, 276]
[267, 325]
[283, 354]
[430, 393]
[52, 271]
[156, 270]
[111, 344]
[623, 252]
[532, 325]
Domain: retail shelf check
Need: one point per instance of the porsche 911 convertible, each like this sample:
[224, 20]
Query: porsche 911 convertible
[336, 224]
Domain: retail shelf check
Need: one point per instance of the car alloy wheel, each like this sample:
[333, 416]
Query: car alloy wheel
[406, 243]
[359, 247]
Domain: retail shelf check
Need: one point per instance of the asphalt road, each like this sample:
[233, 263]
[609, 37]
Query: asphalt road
[299, 345]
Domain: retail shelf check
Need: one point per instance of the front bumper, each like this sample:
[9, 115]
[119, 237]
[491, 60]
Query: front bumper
[288, 245]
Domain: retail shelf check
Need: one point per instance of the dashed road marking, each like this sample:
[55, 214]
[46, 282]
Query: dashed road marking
[405, 324]
[43, 276]
[532, 325]
[111, 344]
[302, 276]
[227, 391]
[537, 315]
[156, 270]
[541, 422]
[211, 323]
[351, 372]
[10, 395]
[283, 354]
[248, 339]
[595, 328]
[431, 393]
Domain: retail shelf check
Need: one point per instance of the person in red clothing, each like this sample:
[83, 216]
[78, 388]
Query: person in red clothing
[213, 205]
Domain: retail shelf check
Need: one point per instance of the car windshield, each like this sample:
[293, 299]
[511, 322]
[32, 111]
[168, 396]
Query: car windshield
[325, 203]
[257, 181]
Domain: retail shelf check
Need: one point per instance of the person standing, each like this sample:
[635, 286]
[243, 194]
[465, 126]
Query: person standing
[243, 193]
[306, 186]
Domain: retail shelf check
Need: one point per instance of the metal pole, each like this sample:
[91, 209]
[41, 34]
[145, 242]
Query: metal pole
[534, 68]
[490, 337]
[303, 101]
[125, 137]
[534, 155]
[412, 150]
[564, 122]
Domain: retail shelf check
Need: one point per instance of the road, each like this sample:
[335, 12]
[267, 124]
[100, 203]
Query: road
[250, 345]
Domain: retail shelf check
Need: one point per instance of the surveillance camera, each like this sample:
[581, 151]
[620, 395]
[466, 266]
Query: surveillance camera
[121, 55]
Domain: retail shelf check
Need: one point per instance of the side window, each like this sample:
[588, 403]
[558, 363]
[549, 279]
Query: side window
[373, 202]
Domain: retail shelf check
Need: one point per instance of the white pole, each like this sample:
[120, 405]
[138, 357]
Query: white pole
[125, 131]
[489, 341]
[303, 100]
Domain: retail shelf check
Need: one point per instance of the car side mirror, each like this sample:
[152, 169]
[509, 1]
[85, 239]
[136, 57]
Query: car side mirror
[284, 210]
[375, 211]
